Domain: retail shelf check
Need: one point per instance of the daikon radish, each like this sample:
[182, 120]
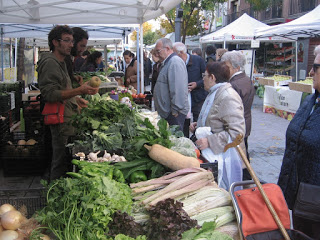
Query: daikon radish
[170, 158]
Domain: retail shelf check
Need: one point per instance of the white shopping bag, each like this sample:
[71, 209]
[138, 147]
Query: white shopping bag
[229, 162]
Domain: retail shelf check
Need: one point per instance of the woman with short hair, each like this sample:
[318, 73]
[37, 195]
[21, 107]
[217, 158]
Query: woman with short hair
[92, 62]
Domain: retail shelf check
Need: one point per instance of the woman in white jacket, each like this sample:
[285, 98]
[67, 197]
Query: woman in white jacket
[222, 110]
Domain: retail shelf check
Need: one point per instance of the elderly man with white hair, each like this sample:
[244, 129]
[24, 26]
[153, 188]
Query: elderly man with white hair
[244, 86]
[195, 68]
[171, 89]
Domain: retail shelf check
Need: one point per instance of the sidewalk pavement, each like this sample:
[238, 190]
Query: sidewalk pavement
[266, 142]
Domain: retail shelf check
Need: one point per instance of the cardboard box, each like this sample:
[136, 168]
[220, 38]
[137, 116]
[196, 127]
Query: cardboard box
[301, 87]
[273, 83]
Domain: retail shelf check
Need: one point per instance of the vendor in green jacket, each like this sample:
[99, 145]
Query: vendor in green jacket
[55, 86]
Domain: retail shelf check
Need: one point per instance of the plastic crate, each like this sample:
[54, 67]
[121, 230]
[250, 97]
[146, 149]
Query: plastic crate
[32, 199]
[24, 160]
[33, 118]
[5, 103]
[213, 167]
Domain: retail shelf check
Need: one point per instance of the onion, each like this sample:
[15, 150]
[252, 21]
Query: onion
[9, 235]
[45, 237]
[11, 220]
[6, 208]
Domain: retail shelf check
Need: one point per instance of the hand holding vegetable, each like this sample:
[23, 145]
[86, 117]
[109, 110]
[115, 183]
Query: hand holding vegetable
[86, 89]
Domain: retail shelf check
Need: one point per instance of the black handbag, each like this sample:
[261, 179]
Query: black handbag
[307, 204]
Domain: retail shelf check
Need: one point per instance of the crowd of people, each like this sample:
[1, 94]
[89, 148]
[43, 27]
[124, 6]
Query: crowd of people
[190, 91]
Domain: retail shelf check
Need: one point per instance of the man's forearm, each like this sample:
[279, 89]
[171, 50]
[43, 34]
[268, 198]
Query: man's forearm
[69, 93]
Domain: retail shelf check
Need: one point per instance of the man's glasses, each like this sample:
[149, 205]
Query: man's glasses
[67, 41]
[159, 50]
[315, 67]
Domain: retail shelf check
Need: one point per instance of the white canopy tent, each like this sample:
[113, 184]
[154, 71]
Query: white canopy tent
[97, 31]
[126, 12]
[189, 44]
[240, 30]
[305, 26]
[84, 11]
[43, 42]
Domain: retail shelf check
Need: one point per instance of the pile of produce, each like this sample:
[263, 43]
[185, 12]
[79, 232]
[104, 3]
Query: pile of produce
[109, 125]
[194, 187]
[15, 226]
[105, 124]
[96, 204]
[308, 80]
[279, 78]
[82, 207]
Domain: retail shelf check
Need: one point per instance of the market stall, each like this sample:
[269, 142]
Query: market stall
[232, 34]
[133, 176]
[306, 26]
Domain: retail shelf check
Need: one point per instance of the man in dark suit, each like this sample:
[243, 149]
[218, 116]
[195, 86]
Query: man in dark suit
[244, 86]
[195, 67]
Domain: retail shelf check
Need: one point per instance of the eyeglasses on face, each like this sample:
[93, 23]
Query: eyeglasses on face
[67, 41]
[204, 75]
[315, 67]
[159, 50]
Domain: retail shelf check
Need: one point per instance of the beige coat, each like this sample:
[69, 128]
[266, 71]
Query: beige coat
[225, 117]
[131, 73]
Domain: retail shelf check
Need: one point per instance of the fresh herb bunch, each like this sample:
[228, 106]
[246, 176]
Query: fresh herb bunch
[83, 208]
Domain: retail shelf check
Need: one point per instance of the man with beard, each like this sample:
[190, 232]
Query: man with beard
[55, 86]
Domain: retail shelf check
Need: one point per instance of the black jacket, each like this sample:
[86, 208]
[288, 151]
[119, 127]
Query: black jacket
[301, 161]
[195, 67]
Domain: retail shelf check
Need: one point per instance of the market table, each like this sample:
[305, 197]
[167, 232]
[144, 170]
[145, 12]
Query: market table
[281, 101]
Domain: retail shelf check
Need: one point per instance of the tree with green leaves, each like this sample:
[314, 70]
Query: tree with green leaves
[149, 36]
[192, 16]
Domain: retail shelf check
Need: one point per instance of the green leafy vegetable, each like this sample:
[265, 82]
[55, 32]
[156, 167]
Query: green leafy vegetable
[206, 232]
[81, 208]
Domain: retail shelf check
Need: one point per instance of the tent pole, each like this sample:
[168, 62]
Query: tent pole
[2, 73]
[253, 59]
[105, 53]
[141, 58]
[15, 58]
[138, 61]
[296, 62]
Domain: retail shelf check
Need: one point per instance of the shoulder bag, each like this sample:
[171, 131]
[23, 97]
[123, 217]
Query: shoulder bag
[53, 113]
[307, 204]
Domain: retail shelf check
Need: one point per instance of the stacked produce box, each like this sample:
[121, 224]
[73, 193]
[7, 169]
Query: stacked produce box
[303, 86]
[275, 80]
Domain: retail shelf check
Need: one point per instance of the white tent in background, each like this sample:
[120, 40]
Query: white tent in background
[305, 26]
[189, 44]
[240, 30]
[92, 12]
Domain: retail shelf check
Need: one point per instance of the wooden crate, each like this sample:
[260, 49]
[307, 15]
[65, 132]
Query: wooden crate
[274, 83]
[301, 87]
